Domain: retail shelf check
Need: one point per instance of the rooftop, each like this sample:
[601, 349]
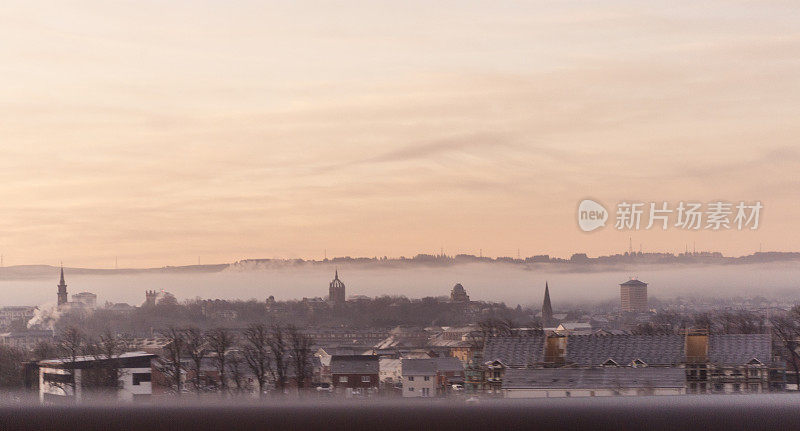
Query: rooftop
[354, 364]
[594, 378]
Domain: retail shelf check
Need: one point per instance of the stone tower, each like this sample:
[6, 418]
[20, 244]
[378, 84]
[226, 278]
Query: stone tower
[150, 297]
[62, 289]
[336, 294]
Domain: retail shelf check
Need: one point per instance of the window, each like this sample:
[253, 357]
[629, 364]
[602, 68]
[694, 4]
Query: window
[427, 378]
[411, 389]
[365, 379]
[410, 378]
[342, 379]
[141, 377]
[426, 392]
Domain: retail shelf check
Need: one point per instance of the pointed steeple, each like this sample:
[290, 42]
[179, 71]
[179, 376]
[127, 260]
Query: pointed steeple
[547, 308]
[336, 274]
[62, 288]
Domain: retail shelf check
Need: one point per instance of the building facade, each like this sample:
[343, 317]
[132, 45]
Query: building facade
[65, 380]
[336, 290]
[633, 296]
[355, 374]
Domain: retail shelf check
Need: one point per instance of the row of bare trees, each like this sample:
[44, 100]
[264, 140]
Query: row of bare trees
[261, 355]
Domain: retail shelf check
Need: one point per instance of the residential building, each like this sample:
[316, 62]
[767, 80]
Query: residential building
[724, 363]
[26, 340]
[14, 314]
[591, 382]
[390, 371]
[419, 378]
[355, 374]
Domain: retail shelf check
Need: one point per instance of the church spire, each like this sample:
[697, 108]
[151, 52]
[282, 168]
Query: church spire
[62, 288]
[547, 308]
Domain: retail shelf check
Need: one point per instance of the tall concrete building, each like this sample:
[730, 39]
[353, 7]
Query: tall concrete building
[336, 293]
[62, 290]
[633, 296]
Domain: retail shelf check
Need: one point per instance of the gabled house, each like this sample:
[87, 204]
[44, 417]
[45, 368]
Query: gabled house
[419, 378]
[355, 374]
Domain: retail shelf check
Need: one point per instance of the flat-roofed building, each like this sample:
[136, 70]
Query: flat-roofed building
[633, 296]
[67, 380]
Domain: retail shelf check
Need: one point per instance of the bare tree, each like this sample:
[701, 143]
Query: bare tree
[196, 349]
[44, 350]
[70, 346]
[103, 378]
[786, 329]
[170, 365]
[300, 348]
[279, 350]
[236, 370]
[220, 340]
[11, 359]
[256, 354]
[739, 322]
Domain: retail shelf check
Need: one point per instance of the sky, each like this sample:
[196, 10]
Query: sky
[170, 133]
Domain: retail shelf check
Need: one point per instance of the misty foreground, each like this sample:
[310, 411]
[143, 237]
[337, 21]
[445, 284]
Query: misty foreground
[754, 412]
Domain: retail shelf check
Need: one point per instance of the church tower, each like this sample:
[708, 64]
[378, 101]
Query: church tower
[336, 290]
[547, 309]
[62, 289]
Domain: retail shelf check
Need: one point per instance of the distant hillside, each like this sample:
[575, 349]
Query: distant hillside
[578, 262]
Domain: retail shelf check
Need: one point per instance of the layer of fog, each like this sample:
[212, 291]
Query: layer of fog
[511, 284]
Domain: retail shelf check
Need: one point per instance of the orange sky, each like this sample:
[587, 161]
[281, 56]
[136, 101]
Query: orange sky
[163, 132]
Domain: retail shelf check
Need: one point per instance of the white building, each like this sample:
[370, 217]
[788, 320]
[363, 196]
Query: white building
[11, 314]
[88, 299]
[390, 371]
[419, 378]
[592, 382]
[62, 380]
